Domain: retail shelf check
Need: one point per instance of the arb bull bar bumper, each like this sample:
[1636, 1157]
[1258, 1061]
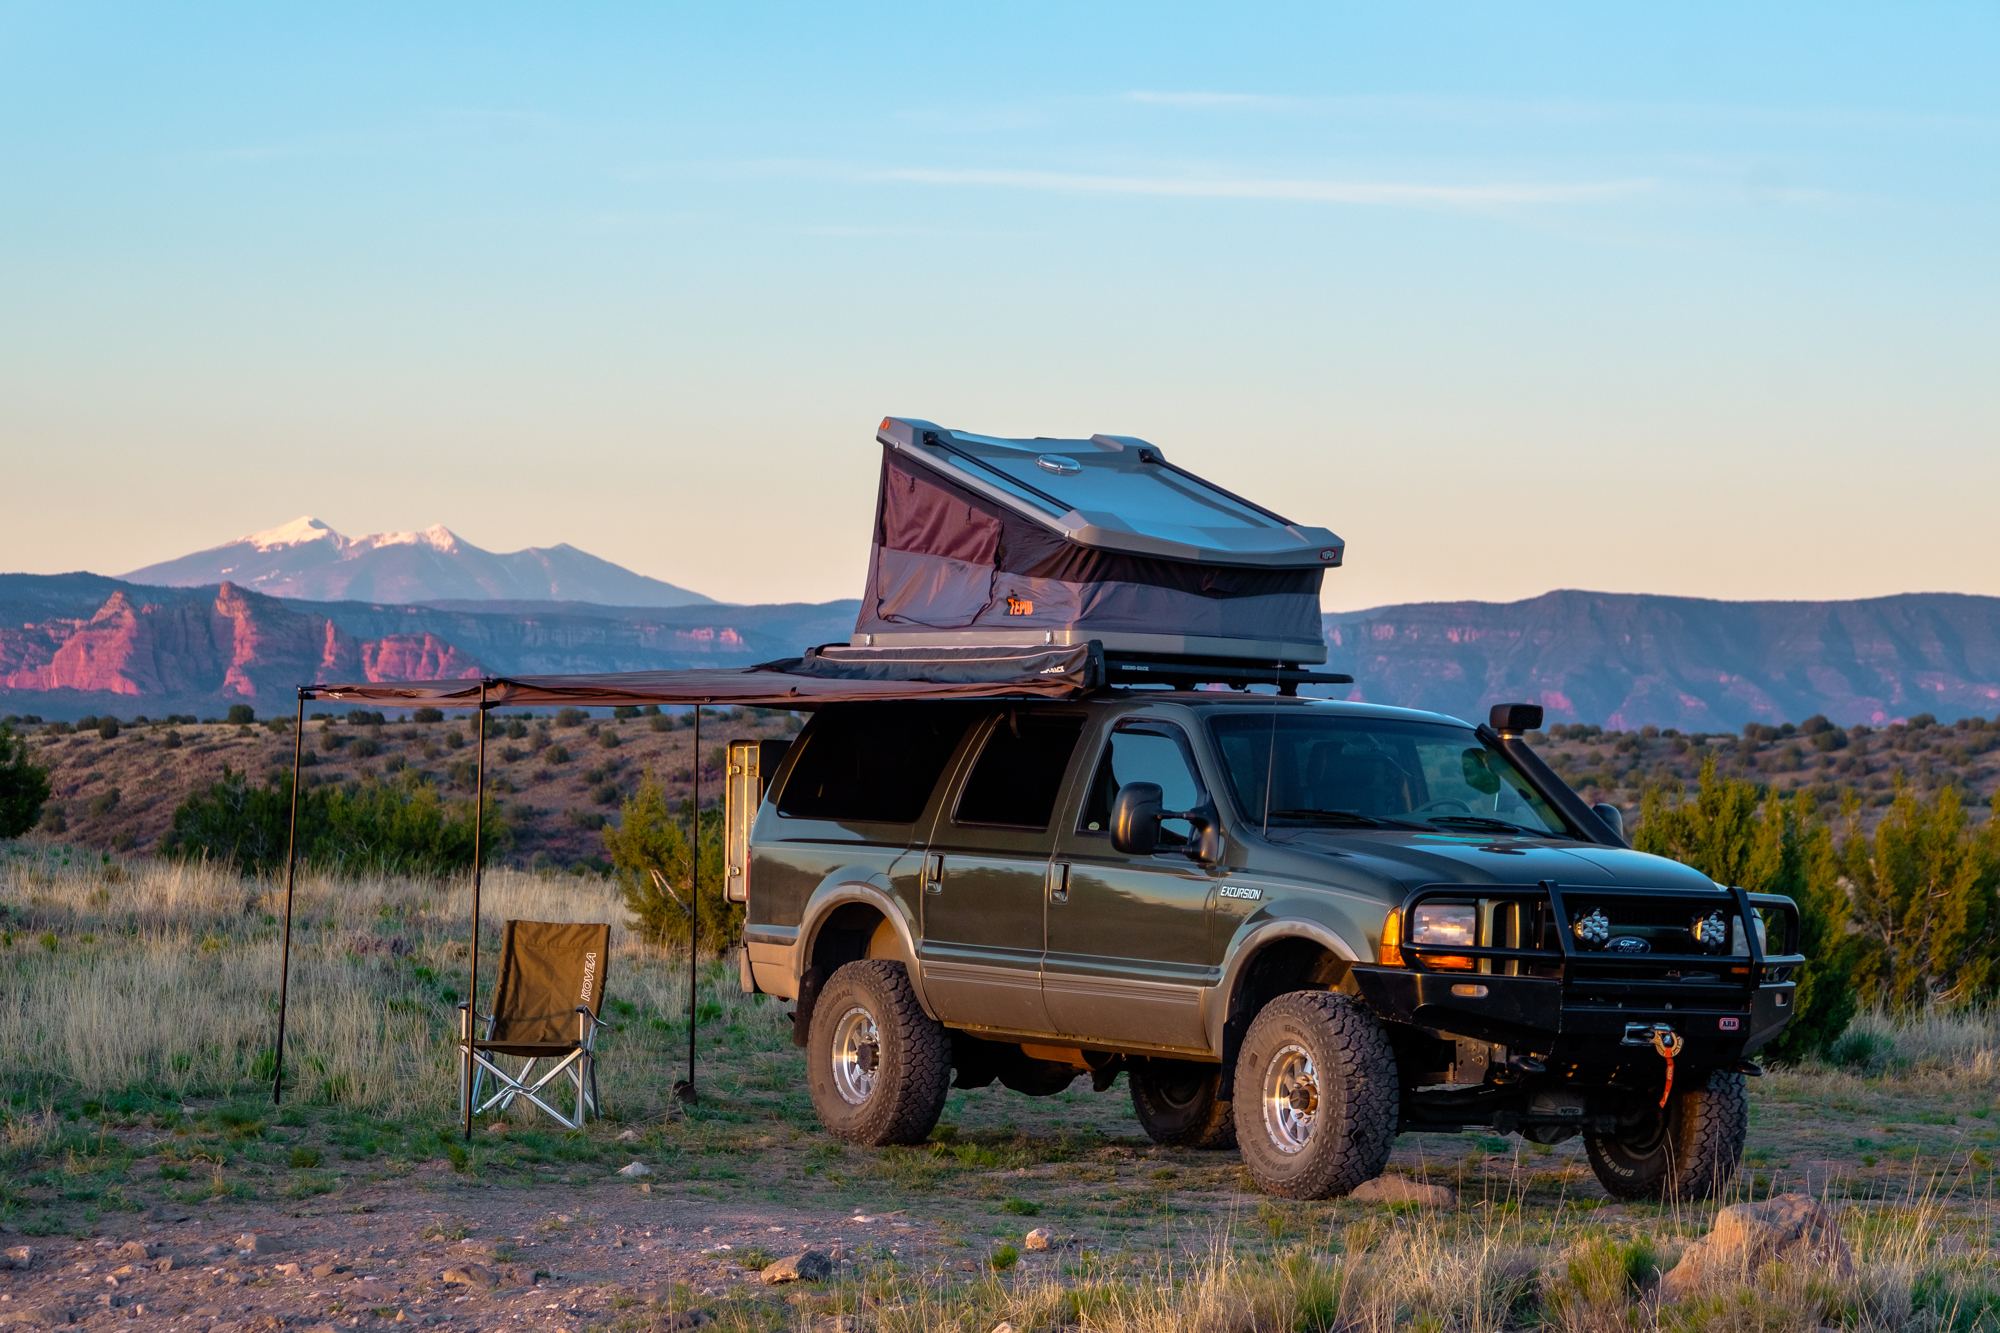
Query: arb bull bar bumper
[1532, 982]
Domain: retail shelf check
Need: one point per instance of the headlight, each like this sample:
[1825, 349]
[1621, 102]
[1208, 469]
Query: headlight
[1446, 924]
[1740, 946]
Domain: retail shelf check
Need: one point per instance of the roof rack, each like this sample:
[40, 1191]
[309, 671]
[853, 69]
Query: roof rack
[1186, 673]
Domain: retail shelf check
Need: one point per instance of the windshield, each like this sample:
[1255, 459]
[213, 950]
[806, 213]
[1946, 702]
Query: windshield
[1335, 771]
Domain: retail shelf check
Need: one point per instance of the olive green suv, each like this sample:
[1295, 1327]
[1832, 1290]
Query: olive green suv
[1299, 927]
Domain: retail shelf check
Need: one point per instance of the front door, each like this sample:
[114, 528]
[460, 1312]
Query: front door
[1128, 946]
[986, 875]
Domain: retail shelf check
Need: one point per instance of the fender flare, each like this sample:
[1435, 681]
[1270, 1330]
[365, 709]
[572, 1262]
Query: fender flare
[1246, 945]
[853, 884]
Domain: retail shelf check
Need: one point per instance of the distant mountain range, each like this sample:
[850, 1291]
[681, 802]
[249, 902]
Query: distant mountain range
[72, 644]
[1624, 661]
[307, 559]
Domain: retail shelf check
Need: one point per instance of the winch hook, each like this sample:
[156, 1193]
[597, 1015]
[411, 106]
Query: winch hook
[1668, 1043]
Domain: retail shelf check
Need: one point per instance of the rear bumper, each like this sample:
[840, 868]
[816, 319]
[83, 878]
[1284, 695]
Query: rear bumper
[1535, 1016]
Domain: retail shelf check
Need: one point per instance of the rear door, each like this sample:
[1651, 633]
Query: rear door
[1128, 936]
[986, 873]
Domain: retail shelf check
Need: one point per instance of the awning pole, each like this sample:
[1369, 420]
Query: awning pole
[478, 856]
[694, 904]
[291, 864]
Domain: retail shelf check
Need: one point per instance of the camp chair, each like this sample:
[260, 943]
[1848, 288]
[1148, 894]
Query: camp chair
[545, 1007]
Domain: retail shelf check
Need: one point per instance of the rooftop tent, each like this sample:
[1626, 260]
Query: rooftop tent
[1018, 542]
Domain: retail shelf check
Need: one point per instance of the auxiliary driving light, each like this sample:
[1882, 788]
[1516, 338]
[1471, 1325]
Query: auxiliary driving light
[1592, 929]
[1710, 931]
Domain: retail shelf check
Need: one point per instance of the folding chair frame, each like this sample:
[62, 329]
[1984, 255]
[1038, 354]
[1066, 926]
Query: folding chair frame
[580, 1064]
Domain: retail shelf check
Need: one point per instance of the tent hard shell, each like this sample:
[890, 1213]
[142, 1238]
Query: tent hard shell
[981, 540]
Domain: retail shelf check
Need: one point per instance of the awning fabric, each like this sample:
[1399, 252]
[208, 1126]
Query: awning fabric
[823, 676]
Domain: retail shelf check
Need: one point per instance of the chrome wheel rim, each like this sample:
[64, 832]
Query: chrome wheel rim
[1291, 1098]
[857, 1055]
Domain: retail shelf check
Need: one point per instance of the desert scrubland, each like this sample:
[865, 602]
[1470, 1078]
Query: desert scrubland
[137, 1011]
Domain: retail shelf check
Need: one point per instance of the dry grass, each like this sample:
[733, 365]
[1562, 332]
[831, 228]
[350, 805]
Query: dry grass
[154, 982]
[162, 976]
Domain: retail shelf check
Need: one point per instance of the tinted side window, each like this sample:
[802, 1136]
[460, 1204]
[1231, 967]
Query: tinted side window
[874, 763]
[1020, 770]
[1145, 752]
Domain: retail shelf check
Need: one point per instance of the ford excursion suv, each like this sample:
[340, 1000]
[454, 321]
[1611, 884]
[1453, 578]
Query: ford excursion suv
[1298, 927]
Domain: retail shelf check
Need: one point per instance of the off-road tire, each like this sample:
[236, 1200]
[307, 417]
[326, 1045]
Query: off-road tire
[1176, 1103]
[1352, 1108]
[912, 1061]
[1690, 1153]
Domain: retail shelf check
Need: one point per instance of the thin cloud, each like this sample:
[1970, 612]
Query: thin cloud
[1496, 113]
[1377, 194]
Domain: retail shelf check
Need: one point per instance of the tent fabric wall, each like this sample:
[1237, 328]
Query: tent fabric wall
[944, 558]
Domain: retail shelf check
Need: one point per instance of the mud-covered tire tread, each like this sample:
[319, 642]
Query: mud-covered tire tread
[910, 1092]
[1214, 1128]
[1699, 1153]
[1364, 1072]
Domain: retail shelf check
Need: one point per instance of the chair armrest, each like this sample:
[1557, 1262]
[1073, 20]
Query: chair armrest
[595, 1021]
[467, 1004]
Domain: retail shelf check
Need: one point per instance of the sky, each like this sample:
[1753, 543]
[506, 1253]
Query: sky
[1693, 299]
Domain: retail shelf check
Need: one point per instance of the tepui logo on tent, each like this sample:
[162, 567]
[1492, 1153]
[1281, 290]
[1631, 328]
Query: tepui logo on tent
[589, 976]
[1017, 607]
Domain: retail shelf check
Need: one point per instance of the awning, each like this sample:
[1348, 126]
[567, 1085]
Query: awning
[834, 674]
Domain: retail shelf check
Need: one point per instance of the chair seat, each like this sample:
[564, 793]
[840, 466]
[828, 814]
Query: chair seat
[527, 1049]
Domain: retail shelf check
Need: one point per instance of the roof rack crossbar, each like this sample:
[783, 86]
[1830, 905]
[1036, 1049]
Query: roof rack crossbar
[1188, 672]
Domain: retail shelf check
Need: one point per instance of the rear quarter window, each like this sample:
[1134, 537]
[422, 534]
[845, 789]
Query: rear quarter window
[873, 763]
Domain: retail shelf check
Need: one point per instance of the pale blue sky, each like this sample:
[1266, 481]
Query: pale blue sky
[1699, 301]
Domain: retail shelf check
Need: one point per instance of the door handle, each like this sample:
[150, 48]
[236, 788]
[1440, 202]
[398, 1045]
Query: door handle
[1059, 882]
[934, 874]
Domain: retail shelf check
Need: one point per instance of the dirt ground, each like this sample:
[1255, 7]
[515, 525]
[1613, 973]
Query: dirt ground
[738, 1182]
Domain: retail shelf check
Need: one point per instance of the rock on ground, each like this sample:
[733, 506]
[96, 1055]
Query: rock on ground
[477, 1276]
[812, 1266]
[685, 1319]
[1746, 1236]
[1401, 1189]
[635, 1170]
[1041, 1238]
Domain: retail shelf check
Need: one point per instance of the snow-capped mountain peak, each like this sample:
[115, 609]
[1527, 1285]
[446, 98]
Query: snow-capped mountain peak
[438, 537]
[306, 558]
[299, 532]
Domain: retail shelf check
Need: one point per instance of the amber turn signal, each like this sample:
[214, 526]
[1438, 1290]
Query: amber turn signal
[1392, 939]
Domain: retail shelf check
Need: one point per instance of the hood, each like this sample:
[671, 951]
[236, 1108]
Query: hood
[1415, 859]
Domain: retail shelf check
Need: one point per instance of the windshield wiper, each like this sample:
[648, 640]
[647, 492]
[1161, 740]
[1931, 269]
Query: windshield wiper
[1346, 818]
[1481, 822]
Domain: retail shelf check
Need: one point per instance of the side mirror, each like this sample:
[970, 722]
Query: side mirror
[1478, 774]
[1135, 818]
[1613, 817]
